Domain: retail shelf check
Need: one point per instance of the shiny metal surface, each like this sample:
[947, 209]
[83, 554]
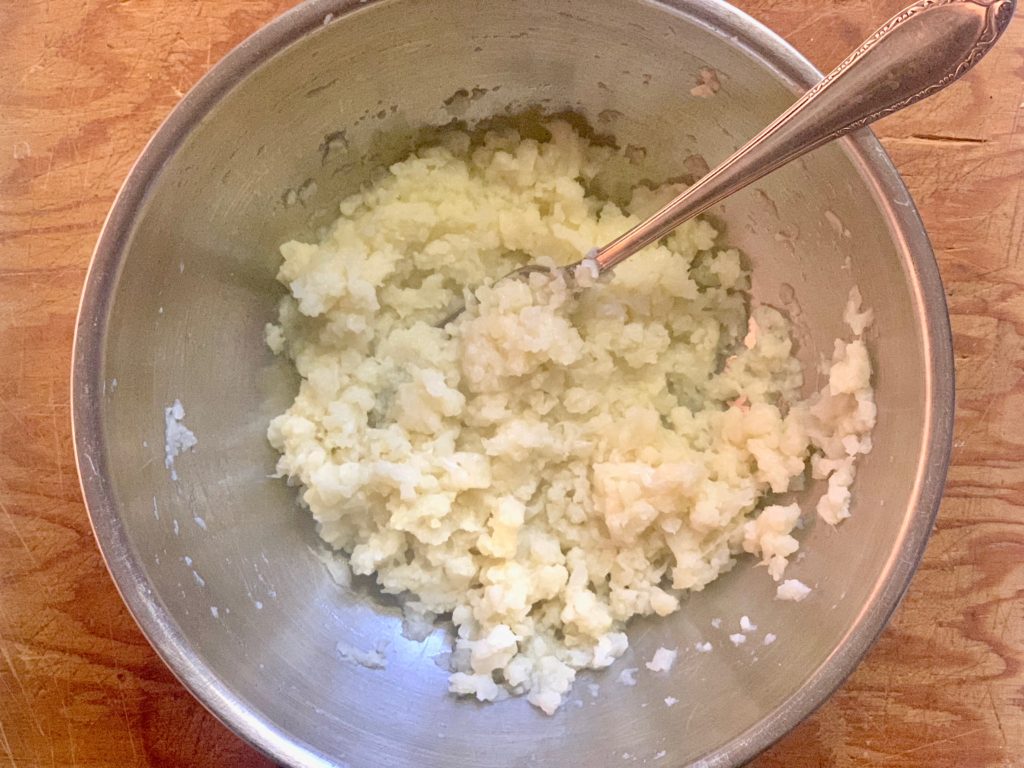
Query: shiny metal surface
[182, 283]
[917, 53]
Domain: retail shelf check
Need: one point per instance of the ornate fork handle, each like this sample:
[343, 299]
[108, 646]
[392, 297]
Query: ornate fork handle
[919, 51]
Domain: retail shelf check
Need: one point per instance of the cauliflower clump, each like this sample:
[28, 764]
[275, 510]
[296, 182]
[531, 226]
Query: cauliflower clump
[555, 461]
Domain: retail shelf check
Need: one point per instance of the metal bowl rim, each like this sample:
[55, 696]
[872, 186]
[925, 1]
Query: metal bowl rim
[166, 637]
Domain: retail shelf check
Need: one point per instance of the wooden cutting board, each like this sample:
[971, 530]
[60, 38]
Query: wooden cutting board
[83, 84]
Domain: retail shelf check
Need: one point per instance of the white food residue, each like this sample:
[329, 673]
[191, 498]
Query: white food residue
[417, 623]
[374, 659]
[716, 622]
[738, 639]
[707, 83]
[746, 625]
[769, 639]
[837, 225]
[663, 660]
[628, 676]
[177, 437]
[337, 567]
[671, 701]
[704, 647]
[792, 589]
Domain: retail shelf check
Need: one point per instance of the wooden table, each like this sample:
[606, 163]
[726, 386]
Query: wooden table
[83, 83]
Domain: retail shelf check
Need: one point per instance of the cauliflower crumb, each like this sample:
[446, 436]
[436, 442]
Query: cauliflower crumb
[738, 639]
[792, 589]
[746, 625]
[769, 639]
[662, 661]
[275, 339]
[769, 534]
[753, 330]
[628, 676]
[704, 647]
[558, 459]
[671, 701]
[856, 318]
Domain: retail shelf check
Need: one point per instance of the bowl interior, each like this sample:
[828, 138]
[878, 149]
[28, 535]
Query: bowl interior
[221, 566]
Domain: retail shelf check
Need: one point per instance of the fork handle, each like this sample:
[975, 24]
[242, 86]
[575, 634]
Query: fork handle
[918, 52]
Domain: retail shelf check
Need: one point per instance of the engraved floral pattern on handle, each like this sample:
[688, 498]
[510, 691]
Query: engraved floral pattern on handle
[997, 16]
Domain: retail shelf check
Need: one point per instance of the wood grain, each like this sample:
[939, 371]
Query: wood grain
[84, 84]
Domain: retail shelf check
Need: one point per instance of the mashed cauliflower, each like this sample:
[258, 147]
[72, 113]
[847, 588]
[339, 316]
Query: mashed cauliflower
[555, 461]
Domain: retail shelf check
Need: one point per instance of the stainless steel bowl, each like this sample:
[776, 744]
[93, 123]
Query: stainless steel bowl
[220, 569]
